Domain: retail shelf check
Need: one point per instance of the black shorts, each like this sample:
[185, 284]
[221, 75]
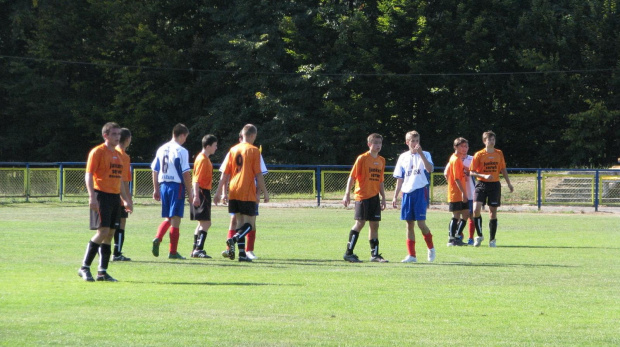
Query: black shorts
[109, 213]
[247, 208]
[489, 193]
[203, 211]
[458, 206]
[369, 209]
[124, 214]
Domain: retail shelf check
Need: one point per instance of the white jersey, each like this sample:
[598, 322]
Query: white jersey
[470, 182]
[171, 162]
[410, 168]
[263, 167]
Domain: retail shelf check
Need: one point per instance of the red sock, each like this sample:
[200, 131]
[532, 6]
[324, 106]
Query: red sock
[174, 239]
[411, 247]
[163, 228]
[249, 244]
[231, 233]
[472, 229]
[428, 238]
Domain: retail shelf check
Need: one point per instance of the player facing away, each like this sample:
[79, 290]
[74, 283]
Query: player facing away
[367, 173]
[200, 210]
[103, 178]
[486, 166]
[458, 199]
[251, 237]
[119, 235]
[242, 175]
[410, 172]
[470, 183]
[171, 181]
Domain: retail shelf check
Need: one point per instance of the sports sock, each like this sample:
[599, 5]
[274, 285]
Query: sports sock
[453, 227]
[353, 236]
[241, 232]
[200, 243]
[119, 239]
[492, 228]
[374, 247]
[241, 246]
[91, 251]
[411, 247]
[174, 239]
[461, 227]
[231, 233]
[163, 228]
[472, 229]
[195, 242]
[104, 257]
[478, 225]
[428, 238]
[249, 247]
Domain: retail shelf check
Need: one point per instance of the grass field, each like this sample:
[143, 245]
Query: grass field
[554, 280]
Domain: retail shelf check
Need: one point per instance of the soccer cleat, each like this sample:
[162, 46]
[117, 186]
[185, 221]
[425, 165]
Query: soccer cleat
[245, 259]
[120, 257]
[451, 243]
[478, 241]
[156, 243]
[409, 259]
[251, 255]
[378, 259]
[431, 255]
[351, 258]
[459, 242]
[200, 254]
[105, 277]
[231, 248]
[470, 242]
[225, 254]
[175, 256]
[492, 244]
[85, 274]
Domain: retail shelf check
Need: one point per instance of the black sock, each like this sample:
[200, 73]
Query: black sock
[241, 246]
[353, 236]
[104, 257]
[461, 227]
[492, 228]
[91, 251]
[195, 245]
[241, 232]
[478, 225]
[200, 242]
[374, 247]
[454, 224]
[119, 239]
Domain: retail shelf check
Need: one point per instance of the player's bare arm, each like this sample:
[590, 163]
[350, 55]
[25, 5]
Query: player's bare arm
[126, 197]
[187, 181]
[156, 193]
[505, 174]
[427, 164]
[261, 186]
[221, 193]
[347, 194]
[399, 185]
[92, 194]
[382, 193]
[196, 189]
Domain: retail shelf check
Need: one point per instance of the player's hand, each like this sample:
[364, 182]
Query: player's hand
[346, 200]
[486, 177]
[383, 204]
[93, 203]
[216, 199]
[196, 201]
[510, 187]
[418, 149]
[395, 202]
[266, 198]
[128, 206]
[156, 195]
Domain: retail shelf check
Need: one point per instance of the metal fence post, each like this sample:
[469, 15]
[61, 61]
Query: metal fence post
[539, 188]
[60, 186]
[318, 185]
[596, 184]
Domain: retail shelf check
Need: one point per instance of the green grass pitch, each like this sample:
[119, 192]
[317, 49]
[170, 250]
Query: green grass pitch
[553, 280]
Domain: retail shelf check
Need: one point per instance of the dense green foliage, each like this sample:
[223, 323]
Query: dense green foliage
[316, 76]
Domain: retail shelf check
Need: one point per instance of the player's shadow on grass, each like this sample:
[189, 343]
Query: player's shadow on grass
[559, 247]
[215, 283]
[502, 265]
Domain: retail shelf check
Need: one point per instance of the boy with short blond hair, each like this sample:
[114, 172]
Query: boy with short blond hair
[486, 166]
[411, 172]
[367, 173]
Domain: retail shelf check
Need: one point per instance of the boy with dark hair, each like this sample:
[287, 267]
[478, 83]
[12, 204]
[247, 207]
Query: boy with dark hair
[171, 181]
[242, 175]
[201, 207]
[458, 200]
[411, 172]
[367, 173]
[486, 166]
[119, 235]
[104, 173]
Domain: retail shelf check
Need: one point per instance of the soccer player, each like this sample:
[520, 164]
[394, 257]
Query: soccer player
[410, 172]
[119, 235]
[458, 200]
[470, 183]
[242, 175]
[202, 182]
[103, 178]
[171, 181]
[367, 173]
[486, 166]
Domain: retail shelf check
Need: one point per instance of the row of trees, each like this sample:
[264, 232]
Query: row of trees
[316, 76]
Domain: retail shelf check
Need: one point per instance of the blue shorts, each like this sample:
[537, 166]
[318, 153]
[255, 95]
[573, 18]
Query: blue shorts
[172, 199]
[471, 207]
[414, 205]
